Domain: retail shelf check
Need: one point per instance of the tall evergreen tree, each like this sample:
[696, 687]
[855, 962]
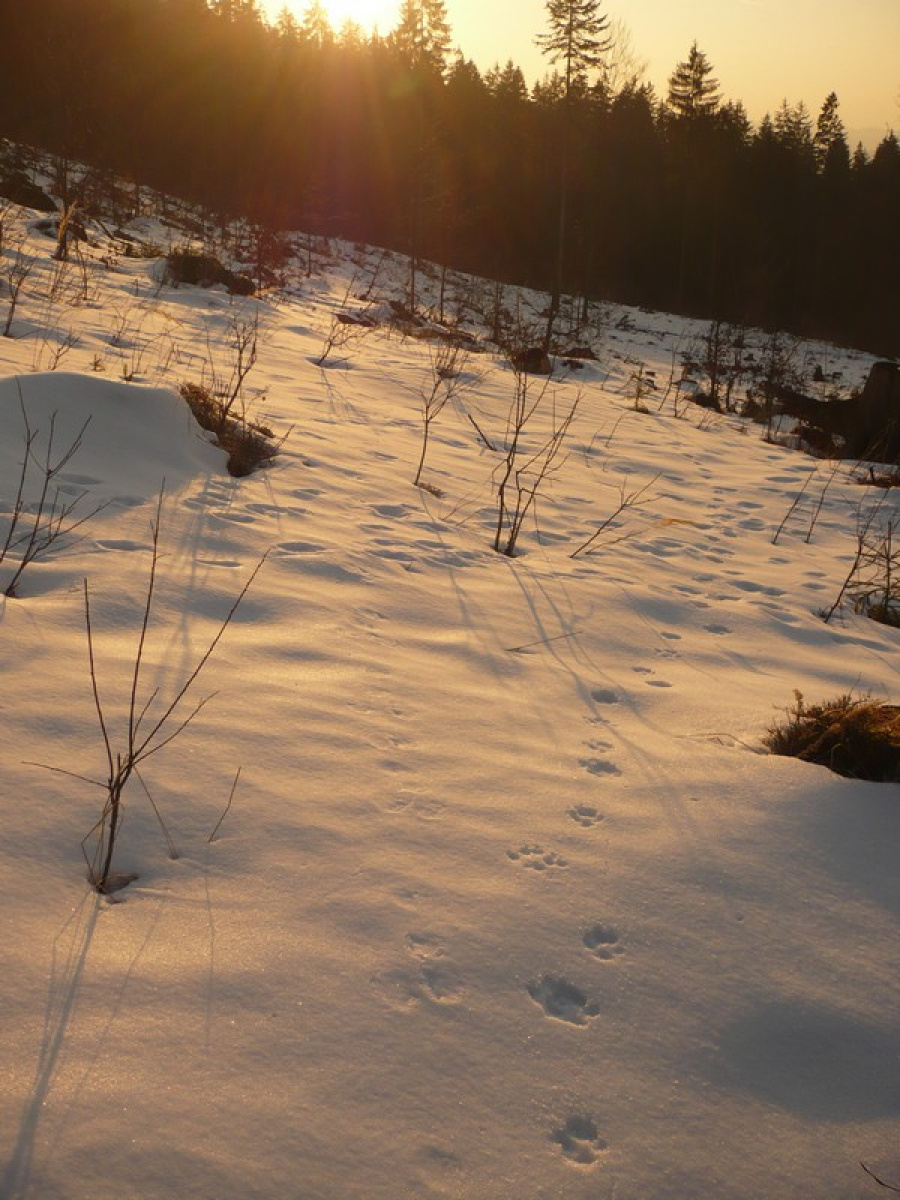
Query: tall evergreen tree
[693, 91]
[829, 129]
[422, 35]
[315, 28]
[794, 129]
[507, 83]
[578, 38]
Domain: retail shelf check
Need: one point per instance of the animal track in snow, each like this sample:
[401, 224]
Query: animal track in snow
[291, 548]
[441, 983]
[391, 510]
[536, 858]
[604, 696]
[435, 982]
[120, 544]
[585, 815]
[78, 480]
[426, 808]
[563, 1000]
[424, 945]
[602, 941]
[435, 978]
[233, 518]
[599, 766]
[579, 1140]
[751, 586]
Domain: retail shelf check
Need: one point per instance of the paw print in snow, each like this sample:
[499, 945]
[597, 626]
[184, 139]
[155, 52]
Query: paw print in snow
[579, 1141]
[602, 941]
[585, 815]
[536, 858]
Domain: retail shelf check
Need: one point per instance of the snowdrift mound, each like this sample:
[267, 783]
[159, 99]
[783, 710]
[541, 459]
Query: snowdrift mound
[134, 436]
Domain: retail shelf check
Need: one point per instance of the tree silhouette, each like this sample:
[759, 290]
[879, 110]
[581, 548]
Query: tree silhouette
[829, 129]
[693, 92]
[577, 37]
[422, 35]
[587, 182]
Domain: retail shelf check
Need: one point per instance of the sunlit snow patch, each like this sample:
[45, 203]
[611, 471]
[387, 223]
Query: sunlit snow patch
[134, 436]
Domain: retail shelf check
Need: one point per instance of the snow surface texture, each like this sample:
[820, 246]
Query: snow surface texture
[509, 903]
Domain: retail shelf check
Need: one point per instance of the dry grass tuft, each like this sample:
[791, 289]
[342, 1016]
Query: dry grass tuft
[248, 444]
[856, 737]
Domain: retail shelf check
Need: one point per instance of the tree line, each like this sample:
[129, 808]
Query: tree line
[588, 183]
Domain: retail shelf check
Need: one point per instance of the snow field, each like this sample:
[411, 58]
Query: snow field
[508, 901]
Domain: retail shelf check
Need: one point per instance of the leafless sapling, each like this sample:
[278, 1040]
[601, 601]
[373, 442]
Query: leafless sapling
[345, 327]
[150, 724]
[527, 465]
[865, 520]
[15, 274]
[36, 526]
[444, 380]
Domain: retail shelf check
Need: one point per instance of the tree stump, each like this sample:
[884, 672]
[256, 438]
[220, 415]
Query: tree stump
[877, 428]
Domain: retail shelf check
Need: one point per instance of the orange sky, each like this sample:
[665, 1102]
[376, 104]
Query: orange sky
[763, 51]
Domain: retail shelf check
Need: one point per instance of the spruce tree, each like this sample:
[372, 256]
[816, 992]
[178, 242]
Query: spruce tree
[422, 35]
[315, 28]
[829, 129]
[693, 92]
[577, 37]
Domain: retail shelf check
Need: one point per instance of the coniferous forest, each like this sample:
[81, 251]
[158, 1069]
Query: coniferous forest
[675, 201]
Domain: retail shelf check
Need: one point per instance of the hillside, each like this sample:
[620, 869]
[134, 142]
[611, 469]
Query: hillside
[509, 900]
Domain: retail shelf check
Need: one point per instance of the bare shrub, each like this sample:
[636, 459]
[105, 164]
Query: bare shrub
[443, 382]
[528, 464]
[345, 327]
[149, 725]
[34, 528]
[720, 356]
[15, 274]
[875, 588]
[244, 352]
[871, 582]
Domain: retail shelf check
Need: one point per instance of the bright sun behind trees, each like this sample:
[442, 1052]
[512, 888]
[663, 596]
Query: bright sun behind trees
[590, 184]
[367, 13]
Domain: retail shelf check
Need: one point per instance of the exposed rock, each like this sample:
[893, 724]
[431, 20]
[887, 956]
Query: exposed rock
[533, 361]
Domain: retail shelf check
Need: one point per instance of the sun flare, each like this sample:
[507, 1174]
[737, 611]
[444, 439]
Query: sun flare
[368, 14]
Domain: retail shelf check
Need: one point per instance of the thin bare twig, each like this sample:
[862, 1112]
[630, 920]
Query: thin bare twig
[890, 1187]
[227, 807]
[627, 500]
[173, 852]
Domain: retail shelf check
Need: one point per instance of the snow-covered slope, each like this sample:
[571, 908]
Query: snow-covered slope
[508, 903]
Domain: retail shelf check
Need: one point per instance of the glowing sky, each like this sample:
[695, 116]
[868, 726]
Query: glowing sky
[763, 51]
